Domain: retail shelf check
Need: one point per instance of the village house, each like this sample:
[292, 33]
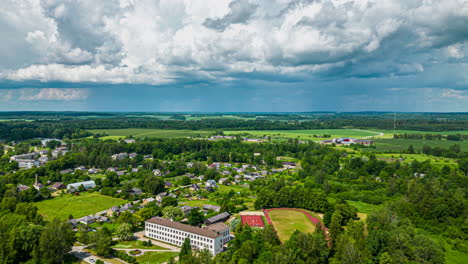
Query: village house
[119, 156]
[208, 207]
[129, 140]
[222, 217]
[58, 186]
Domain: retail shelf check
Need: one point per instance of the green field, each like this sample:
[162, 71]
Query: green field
[196, 118]
[76, 205]
[456, 257]
[364, 207]
[398, 145]
[304, 134]
[153, 133]
[156, 257]
[288, 221]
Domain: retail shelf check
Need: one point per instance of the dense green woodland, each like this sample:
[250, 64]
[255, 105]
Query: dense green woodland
[422, 211]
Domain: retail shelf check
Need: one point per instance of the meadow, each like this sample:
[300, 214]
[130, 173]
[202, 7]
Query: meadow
[152, 133]
[389, 133]
[76, 205]
[305, 134]
[288, 221]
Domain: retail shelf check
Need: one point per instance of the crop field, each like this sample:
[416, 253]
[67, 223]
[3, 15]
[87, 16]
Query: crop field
[152, 133]
[76, 205]
[192, 118]
[398, 145]
[389, 133]
[305, 134]
[288, 221]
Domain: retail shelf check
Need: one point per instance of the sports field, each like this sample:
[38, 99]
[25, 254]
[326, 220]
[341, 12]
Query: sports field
[252, 220]
[305, 134]
[76, 205]
[152, 133]
[287, 221]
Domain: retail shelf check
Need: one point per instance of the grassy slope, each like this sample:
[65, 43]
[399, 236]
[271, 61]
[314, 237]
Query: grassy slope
[78, 206]
[288, 221]
[156, 133]
[155, 257]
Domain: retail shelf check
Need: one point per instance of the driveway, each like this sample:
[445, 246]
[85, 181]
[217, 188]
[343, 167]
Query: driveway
[85, 256]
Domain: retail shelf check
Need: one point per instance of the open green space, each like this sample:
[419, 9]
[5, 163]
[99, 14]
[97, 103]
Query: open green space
[199, 203]
[288, 221]
[364, 207]
[76, 205]
[134, 244]
[305, 134]
[196, 118]
[156, 257]
[152, 133]
[456, 257]
[399, 145]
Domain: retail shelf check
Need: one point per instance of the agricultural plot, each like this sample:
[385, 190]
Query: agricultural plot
[304, 134]
[152, 133]
[399, 145]
[389, 133]
[76, 205]
[287, 221]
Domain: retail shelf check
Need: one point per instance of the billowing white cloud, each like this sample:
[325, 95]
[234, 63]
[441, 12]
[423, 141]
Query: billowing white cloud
[161, 42]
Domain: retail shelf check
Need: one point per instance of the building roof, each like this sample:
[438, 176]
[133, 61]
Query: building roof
[186, 228]
[218, 217]
[218, 227]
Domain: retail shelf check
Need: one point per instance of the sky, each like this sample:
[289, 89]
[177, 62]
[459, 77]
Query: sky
[234, 56]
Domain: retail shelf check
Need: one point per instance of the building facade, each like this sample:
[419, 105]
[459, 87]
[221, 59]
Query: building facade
[212, 237]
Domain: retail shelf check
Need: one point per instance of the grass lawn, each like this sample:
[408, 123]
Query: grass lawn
[134, 244]
[305, 134]
[198, 203]
[364, 207]
[152, 133]
[76, 205]
[409, 158]
[456, 257]
[156, 257]
[235, 188]
[288, 221]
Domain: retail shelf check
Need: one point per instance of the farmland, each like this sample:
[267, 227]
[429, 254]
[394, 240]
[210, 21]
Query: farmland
[288, 221]
[78, 206]
[304, 134]
[152, 133]
[399, 145]
[389, 133]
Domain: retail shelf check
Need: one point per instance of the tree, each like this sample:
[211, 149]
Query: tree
[173, 213]
[185, 251]
[169, 201]
[411, 149]
[124, 232]
[129, 218]
[56, 241]
[335, 226]
[102, 242]
[195, 217]
[153, 184]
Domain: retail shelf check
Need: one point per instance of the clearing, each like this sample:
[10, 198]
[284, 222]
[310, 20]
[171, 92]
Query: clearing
[153, 257]
[76, 205]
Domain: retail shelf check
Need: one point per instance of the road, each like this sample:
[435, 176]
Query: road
[85, 256]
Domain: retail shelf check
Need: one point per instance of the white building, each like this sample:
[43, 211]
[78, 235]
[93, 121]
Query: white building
[119, 156]
[86, 184]
[27, 163]
[212, 237]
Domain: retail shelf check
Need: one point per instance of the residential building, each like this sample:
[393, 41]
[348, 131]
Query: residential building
[222, 217]
[27, 163]
[58, 186]
[207, 207]
[119, 156]
[212, 237]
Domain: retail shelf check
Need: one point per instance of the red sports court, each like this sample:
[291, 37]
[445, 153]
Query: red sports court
[252, 220]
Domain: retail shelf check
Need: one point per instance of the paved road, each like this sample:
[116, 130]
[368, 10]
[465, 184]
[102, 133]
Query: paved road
[83, 255]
